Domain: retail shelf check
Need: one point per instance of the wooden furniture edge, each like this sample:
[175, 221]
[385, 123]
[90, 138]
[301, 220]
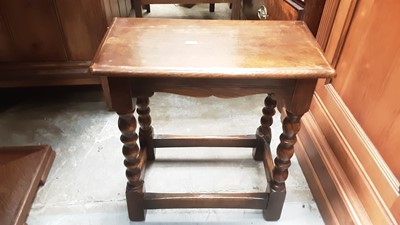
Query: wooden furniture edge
[45, 166]
[45, 74]
[47, 156]
[50, 74]
[328, 130]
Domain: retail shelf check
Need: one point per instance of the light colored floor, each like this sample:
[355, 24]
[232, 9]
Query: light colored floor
[86, 183]
[198, 11]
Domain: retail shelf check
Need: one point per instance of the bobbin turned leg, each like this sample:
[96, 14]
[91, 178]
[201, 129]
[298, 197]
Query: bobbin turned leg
[263, 133]
[135, 158]
[285, 151]
[296, 106]
[134, 162]
[146, 130]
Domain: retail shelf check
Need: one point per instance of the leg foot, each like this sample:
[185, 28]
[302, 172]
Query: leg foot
[135, 202]
[212, 7]
[290, 126]
[274, 206]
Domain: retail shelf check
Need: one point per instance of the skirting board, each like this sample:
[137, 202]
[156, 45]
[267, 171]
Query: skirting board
[337, 178]
[336, 199]
[46, 74]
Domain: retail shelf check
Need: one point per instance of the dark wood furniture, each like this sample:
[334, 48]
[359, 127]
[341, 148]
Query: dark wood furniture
[309, 11]
[203, 58]
[235, 5]
[22, 171]
[51, 43]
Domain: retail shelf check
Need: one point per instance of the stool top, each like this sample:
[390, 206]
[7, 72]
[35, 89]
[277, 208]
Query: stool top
[180, 48]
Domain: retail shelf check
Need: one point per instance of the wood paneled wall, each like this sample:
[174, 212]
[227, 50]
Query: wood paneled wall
[32, 27]
[51, 42]
[368, 75]
[116, 8]
[83, 29]
[336, 147]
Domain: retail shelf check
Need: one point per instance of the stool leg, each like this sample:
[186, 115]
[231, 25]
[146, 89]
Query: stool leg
[236, 10]
[263, 133]
[212, 7]
[134, 162]
[137, 4]
[147, 7]
[285, 151]
[146, 130]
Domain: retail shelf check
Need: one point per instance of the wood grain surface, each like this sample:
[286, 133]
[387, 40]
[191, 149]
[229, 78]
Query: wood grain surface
[22, 170]
[138, 47]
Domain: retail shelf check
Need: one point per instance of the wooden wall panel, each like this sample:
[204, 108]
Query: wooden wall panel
[107, 11]
[312, 14]
[83, 28]
[124, 7]
[368, 75]
[35, 31]
[376, 187]
[6, 45]
[116, 8]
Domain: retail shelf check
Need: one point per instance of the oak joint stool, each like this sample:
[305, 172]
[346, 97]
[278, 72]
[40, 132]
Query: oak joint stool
[203, 58]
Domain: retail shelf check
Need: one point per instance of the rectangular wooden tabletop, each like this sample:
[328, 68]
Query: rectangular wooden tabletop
[179, 48]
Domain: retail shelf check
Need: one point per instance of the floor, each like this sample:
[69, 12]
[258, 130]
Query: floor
[188, 11]
[86, 184]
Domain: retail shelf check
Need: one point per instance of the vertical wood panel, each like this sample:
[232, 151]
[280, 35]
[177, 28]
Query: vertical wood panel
[326, 22]
[83, 28]
[312, 14]
[128, 4]
[7, 51]
[116, 8]
[107, 11]
[122, 7]
[35, 30]
[114, 5]
[368, 75]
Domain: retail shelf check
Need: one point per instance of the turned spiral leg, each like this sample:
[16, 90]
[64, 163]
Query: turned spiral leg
[134, 162]
[146, 130]
[285, 151]
[263, 132]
